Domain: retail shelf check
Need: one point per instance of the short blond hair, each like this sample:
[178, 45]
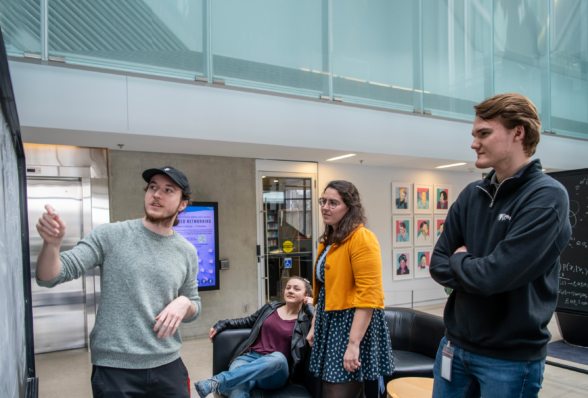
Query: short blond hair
[513, 109]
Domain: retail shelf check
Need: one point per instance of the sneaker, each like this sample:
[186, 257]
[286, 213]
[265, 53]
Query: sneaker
[203, 388]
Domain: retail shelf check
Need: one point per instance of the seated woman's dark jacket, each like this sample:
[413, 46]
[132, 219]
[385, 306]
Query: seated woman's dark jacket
[301, 328]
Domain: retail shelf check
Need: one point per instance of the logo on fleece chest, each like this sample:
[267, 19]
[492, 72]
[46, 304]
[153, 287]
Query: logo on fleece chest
[485, 233]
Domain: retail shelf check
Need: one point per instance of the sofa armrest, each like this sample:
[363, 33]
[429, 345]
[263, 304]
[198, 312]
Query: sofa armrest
[427, 332]
[400, 323]
[225, 347]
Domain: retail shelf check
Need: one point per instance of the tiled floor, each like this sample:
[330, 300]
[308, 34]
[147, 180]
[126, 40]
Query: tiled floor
[66, 374]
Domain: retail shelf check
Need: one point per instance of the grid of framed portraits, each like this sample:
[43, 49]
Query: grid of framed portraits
[419, 212]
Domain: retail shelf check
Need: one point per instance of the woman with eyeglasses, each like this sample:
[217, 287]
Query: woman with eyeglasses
[349, 336]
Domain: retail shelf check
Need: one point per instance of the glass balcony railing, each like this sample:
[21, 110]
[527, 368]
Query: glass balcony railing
[437, 57]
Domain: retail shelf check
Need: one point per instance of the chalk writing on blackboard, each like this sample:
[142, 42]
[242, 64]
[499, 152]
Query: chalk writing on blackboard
[573, 292]
[573, 273]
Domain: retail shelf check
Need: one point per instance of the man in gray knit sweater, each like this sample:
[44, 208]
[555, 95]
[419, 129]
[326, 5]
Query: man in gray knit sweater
[149, 285]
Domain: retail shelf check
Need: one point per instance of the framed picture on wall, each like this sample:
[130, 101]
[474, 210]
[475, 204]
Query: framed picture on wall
[402, 231]
[422, 260]
[442, 198]
[423, 230]
[439, 224]
[423, 199]
[401, 198]
[402, 264]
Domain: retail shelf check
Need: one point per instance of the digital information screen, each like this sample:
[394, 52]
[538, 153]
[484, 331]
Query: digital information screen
[199, 225]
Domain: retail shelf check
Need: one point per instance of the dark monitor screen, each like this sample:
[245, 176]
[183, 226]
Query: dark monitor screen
[199, 225]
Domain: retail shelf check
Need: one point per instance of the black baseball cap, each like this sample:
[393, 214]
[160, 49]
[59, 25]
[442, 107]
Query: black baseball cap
[174, 174]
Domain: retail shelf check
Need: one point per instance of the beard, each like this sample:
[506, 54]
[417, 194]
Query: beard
[162, 220]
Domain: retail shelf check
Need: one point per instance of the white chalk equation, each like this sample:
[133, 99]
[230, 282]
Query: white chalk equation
[575, 219]
[573, 292]
[583, 181]
[567, 282]
[575, 209]
[575, 302]
[567, 267]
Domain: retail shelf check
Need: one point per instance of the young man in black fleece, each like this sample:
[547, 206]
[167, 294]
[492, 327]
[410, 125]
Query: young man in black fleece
[499, 252]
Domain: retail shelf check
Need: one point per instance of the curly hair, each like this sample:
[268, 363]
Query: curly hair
[354, 217]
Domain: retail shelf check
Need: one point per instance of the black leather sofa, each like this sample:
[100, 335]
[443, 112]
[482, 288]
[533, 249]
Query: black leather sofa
[415, 339]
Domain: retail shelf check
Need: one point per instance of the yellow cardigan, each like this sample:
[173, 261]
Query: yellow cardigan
[353, 273]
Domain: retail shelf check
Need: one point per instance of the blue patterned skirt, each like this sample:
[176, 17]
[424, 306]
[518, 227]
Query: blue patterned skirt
[331, 337]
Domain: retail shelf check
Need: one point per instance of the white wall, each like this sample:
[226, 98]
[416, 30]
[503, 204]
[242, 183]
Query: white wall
[375, 187]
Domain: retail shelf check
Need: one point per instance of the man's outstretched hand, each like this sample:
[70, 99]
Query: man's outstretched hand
[170, 318]
[51, 227]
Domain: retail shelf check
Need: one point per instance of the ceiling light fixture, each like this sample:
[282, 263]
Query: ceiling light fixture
[341, 157]
[450, 165]
[276, 181]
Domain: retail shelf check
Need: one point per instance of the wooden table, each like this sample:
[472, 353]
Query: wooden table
[410, 387]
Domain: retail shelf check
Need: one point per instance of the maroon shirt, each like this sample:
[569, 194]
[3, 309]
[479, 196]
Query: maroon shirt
[275, 335]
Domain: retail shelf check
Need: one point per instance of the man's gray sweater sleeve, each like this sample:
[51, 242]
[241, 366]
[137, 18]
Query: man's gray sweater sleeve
[87, 254]
[190, 289]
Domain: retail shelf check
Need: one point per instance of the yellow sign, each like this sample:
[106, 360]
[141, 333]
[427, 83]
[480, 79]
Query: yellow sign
[287, 246]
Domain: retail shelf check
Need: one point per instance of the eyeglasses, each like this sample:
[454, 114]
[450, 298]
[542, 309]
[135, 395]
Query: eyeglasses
[331, 203]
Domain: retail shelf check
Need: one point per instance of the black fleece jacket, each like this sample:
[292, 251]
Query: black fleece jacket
[505, 287]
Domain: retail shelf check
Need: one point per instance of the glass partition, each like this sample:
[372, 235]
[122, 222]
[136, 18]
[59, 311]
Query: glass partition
[521, 51]
[145, 36]
[457, 56]
[21, 26]
[569, 68]
[376, 53]
[269, 45]
[440, 57]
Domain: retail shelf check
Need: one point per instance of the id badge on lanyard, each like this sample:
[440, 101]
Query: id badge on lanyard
[447, 361]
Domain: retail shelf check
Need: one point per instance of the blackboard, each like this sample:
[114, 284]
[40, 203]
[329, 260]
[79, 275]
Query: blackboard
[573, 276]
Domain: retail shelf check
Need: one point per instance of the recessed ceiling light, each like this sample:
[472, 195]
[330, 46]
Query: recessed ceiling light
[341, 157]
[450, 165]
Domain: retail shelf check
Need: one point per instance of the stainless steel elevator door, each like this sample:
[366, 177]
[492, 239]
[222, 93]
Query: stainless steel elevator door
[59, 312]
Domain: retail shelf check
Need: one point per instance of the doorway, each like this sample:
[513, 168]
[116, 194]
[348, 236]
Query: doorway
[287, 230]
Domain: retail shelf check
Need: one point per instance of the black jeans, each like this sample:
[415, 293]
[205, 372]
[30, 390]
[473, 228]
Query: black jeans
[165, 381]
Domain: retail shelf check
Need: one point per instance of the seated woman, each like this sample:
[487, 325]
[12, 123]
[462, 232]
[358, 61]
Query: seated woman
[275, 347]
